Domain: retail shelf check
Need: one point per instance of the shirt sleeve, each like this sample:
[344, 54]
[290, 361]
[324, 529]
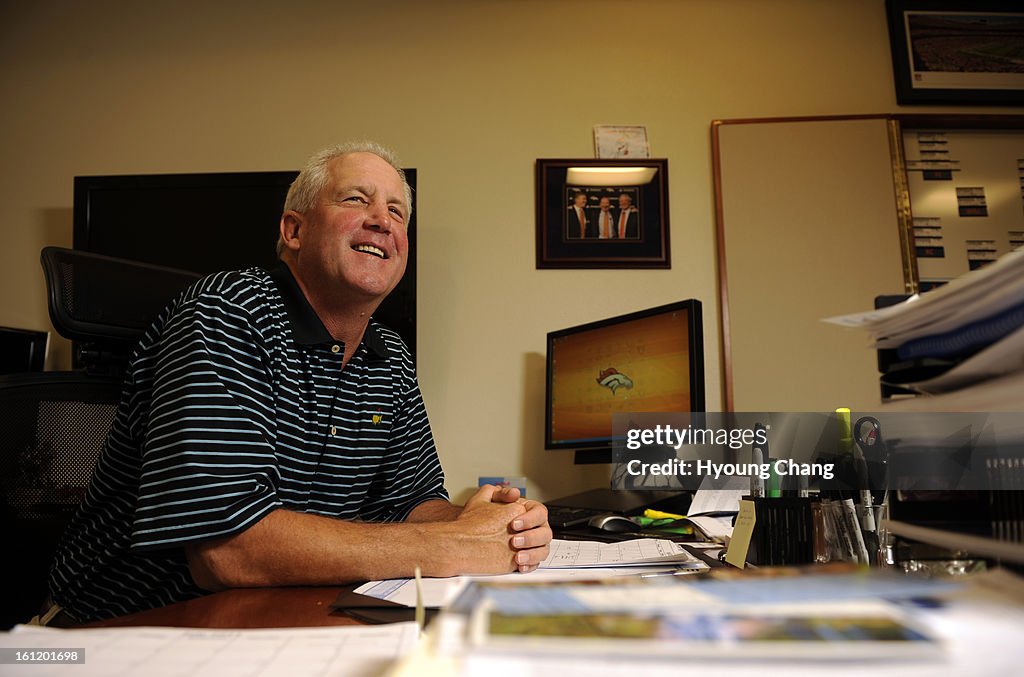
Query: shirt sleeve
[208, 463]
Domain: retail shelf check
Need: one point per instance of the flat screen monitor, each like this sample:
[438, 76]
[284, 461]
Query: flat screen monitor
[207, 223]
[22, 350]
[647, 361]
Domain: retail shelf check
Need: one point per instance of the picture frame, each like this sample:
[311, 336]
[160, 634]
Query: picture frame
[602, 213]
[957, 52]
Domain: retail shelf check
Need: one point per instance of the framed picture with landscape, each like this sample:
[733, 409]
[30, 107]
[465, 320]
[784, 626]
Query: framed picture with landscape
[957, 51]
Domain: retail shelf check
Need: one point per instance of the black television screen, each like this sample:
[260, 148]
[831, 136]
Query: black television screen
[647, 361]
[22, 350]
[206, 223]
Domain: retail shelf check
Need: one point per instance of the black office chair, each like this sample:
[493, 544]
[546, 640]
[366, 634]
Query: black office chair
[53, 424]
[104, 304]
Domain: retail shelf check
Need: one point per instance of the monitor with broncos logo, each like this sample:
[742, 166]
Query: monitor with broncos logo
[648, 361]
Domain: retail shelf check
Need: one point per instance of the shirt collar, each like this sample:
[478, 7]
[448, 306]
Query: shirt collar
[307, 326]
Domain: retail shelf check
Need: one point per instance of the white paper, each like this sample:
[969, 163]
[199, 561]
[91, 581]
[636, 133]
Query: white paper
[635, 552]
[439, 592]
[192, 652]
[714, 527]
[726, 499]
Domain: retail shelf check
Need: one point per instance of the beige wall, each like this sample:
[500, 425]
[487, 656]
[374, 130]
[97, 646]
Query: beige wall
[789, 188]
[470, 93]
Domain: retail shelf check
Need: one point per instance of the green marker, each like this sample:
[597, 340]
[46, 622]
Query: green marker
[774, 487]
[844, 447]
[845, 434]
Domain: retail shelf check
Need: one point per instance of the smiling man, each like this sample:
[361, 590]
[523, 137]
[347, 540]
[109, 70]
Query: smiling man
[271, 433]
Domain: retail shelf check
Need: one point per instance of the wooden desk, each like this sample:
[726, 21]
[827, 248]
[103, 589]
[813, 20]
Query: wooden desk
[243, 608]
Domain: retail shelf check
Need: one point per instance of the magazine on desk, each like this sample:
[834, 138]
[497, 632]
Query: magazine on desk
[789, 615]
[852, 631]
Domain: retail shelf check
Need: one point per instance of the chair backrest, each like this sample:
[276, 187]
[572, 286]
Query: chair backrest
[52, 429]
[104, 303]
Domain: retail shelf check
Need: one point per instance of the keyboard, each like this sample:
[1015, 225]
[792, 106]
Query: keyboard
[561, 517]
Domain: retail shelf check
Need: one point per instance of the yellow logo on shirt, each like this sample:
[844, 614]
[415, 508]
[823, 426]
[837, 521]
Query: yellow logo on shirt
[377, 418]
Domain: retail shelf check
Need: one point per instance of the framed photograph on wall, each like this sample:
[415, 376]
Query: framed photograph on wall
[957, 51]
[602, 213]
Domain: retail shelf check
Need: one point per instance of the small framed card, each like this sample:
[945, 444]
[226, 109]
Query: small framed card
[621, 141]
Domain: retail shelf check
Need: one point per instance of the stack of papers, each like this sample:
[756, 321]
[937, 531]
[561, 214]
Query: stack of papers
[975, 324]
[976, 295]
[567, 561]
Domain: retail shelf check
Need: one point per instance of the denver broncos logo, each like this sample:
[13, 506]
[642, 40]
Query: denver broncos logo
[611, 378]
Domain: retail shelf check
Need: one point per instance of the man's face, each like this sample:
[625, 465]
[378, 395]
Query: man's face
[581, 200]
[625, 201]
[354, 244]
[605, 204]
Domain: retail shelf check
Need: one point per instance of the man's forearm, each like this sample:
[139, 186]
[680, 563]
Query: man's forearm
[435, 510]
[290, 548]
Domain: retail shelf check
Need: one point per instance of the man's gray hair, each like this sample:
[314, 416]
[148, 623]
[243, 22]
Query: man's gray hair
[309, 185]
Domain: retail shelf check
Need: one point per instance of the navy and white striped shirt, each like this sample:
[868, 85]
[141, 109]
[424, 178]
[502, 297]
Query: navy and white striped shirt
[235, 405]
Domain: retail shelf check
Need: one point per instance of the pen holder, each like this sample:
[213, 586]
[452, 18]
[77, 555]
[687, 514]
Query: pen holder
[839, 536]
[783, 532]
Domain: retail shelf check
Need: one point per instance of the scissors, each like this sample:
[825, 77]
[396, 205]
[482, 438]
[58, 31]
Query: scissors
[867, 434]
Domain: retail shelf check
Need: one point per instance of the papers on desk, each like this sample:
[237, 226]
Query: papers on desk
[568, 560]
[192, 652]
[719, 495]
[436, 592]
[716, 528]
[715, 504]
[637, 552]
[974, 630]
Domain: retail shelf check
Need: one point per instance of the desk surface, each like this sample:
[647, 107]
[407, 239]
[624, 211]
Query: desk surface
[244, 608]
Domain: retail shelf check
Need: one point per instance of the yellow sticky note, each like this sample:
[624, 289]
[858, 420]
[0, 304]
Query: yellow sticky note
[742, 532]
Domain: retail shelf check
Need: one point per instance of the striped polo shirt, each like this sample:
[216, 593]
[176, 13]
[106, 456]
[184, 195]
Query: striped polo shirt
[235, 404]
